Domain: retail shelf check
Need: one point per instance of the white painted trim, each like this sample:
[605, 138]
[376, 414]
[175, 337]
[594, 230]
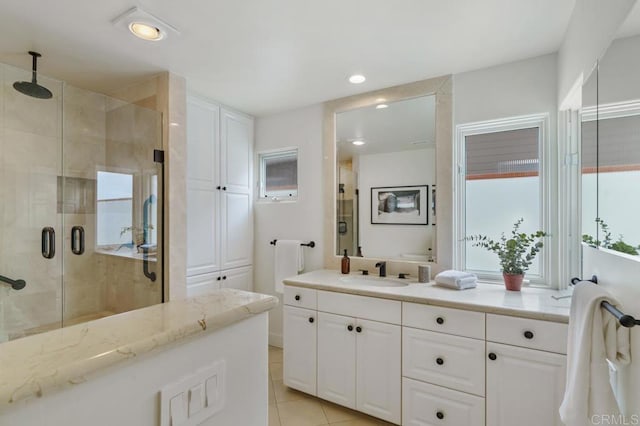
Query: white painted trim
[275, 339]
[612, 110]
[542, 121]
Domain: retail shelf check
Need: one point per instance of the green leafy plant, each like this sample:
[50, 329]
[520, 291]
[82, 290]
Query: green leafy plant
[618, 245]
[517, 252]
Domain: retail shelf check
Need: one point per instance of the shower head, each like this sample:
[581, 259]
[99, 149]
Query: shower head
[32, 88]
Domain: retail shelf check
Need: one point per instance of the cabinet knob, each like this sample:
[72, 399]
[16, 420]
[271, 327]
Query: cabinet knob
[440, 415]
[528, 334]
[311, 319]
[297, 297]
[359, 329]
[218, 187]
[224, 188]
[350, 327]
[224, 277]
[218, 278]
[492, 356]
[440, 320]
[439, 361]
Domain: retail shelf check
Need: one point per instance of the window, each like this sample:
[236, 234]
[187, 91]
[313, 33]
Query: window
[114, 208]
[279, 175]
[502, 177]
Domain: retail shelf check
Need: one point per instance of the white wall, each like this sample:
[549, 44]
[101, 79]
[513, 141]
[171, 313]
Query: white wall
[300, 220]
[591, 28]
[404, 168]
[128, 393]
[619, 275]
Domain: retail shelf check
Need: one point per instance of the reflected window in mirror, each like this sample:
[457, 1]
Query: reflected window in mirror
[392, 148]
[114, 209]
[502, 179]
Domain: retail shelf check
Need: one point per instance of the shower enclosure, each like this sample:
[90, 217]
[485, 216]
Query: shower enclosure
[80, 206]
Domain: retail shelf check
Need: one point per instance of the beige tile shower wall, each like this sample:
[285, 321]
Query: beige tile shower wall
[166, 93]
[84, 153]
[30, 161]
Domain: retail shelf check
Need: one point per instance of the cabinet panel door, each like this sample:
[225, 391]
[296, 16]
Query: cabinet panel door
[237, 230]
[203, 231]
[203, 145]
[428, 405]
[240, 278]
[202, 284]
[300, 338]
[236, 151]
[378, 369]
[524, 386]
[337, 359]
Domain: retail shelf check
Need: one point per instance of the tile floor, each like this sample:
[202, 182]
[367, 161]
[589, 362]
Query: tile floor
[288, 407]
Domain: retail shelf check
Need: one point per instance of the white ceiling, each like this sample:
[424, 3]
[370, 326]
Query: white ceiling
[265, 56]
[403, 126]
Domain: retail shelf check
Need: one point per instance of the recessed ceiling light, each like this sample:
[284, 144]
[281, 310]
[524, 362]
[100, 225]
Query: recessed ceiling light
[358, 143]
[382, 106]
[357, 79]
[146, 31]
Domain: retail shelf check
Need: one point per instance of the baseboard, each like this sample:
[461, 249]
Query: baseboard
[275, 340]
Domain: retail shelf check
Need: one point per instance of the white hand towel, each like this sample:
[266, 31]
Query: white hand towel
[289, 260]
[594, 336]
[456, 279]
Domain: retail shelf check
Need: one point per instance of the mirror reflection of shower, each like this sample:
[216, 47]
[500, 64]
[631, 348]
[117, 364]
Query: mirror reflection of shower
[32, 88]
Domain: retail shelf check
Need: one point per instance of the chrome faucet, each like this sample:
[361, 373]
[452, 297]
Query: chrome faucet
[383, 268]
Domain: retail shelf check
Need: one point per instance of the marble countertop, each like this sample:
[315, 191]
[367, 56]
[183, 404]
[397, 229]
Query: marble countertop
[535, 303]
[43, 363]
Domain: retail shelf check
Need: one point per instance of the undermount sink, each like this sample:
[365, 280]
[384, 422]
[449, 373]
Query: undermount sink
[372, 282]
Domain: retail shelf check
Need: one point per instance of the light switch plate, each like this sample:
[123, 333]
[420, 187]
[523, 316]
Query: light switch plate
[202, 395]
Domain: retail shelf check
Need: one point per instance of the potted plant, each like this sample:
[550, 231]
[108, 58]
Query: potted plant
[516, 253]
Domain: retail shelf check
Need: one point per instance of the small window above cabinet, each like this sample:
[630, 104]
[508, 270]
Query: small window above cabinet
[278, 175]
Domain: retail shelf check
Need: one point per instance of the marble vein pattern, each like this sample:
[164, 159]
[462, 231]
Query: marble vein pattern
[41, 364]
[534, 303]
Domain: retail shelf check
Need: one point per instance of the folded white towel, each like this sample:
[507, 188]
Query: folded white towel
[456, 279]
[288, 261]
[595, 336]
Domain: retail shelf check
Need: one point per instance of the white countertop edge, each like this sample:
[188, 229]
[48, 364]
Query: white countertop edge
[44, 363]
[547, 309]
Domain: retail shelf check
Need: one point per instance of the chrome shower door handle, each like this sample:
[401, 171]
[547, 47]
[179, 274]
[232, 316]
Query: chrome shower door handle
[77, 240]
[48, 242]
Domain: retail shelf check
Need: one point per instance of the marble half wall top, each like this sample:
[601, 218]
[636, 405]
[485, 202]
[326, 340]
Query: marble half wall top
[38, 365]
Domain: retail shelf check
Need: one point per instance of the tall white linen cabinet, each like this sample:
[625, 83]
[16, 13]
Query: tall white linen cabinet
[219, 197]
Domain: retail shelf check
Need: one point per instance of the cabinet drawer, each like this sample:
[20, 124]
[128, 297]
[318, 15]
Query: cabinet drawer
[370, 308]
[528, 333]
[428, 405]
[445, 320]
[442, 359]
[300, 297]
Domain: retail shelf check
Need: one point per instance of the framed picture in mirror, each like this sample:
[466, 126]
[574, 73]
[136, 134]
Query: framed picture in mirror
[400, 205]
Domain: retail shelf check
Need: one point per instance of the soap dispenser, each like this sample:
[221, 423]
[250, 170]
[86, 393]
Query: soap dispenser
[346, 263]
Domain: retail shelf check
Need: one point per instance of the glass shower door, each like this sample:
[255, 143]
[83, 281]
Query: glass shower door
[30, 241]
[112, 206]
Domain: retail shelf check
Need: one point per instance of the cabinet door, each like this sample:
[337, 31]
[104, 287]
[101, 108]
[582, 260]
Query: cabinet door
[240, 278]
[202, 284]
[524, 386]
[203, 177]
[300, 338]
[378, 373]
[236, 151]
[237, 230]
[337, 359]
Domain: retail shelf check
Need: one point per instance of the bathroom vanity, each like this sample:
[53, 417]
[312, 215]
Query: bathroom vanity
[418, 354]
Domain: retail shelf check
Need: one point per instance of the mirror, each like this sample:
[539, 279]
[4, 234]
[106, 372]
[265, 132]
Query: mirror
[386, 180]
[380, 195]
[611, 137]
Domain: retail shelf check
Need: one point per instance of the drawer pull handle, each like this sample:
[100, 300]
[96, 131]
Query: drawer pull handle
[297, 297]
[528, 334]
[440, 320]
[311, 319]
[492, 356]
[440, 415]
[359, 329]
[439, 361]
[350, 327]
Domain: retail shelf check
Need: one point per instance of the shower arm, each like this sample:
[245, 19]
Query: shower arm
[34, 66]
[15, 284]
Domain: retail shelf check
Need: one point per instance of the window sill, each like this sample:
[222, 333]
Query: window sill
[126, 252]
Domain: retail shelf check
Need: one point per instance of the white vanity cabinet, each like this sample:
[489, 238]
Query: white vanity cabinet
[219, 203]
[300, 339]
[525, 386]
